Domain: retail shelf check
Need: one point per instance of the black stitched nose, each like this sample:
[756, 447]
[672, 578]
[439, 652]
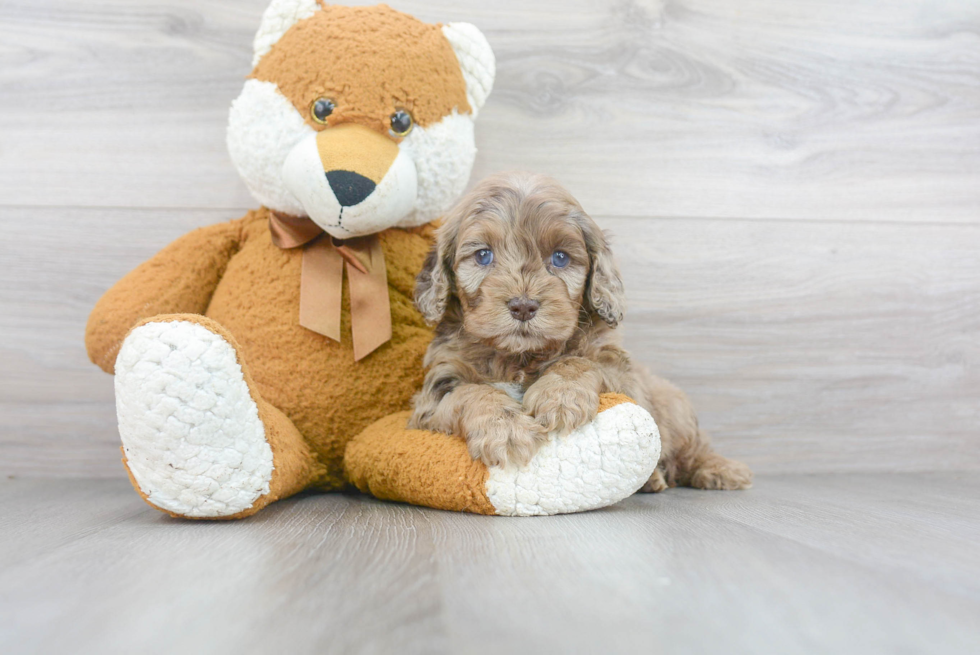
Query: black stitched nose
[523, 309]
[349, 187]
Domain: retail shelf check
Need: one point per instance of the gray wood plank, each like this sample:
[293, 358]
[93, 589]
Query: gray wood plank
[814, 346]
[799, 564]
[817, 110]
[859, 518]
[41, 515]
[806, 346]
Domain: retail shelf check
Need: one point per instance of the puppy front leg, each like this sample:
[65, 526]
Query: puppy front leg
[566, 396]
[496, 429]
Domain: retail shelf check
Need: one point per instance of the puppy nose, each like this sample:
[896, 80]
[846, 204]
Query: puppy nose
[523, 309]
[349, 187]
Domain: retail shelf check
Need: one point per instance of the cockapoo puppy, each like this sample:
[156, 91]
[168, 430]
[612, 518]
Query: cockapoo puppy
[526, 297]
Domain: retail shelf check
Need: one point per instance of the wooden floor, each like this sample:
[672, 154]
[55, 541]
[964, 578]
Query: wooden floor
[882, 563]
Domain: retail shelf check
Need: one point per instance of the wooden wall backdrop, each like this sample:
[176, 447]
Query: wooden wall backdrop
[794, 186]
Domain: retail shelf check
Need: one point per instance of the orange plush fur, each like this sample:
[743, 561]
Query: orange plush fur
[419, 69]
[283, 408]
[231, 278]
[234, 275]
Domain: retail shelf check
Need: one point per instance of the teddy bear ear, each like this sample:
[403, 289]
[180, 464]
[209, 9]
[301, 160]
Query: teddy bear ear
[279, 16]
[476, 60]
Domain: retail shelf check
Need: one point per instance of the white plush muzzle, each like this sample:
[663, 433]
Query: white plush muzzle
[274, 149]
[391, 200]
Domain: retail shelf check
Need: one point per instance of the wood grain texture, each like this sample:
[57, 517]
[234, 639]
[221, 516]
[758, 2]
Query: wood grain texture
[812, 346]
[818, 109]
[793, 186]
[799, 564]
[806, 346]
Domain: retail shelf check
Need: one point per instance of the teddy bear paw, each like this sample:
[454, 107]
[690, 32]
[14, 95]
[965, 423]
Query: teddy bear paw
[596, 465]
[191, 433]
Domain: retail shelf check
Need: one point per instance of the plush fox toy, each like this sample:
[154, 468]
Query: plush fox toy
[278, 352]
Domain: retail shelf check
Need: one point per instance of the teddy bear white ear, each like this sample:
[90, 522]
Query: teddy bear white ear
[279, 16]
[475, 59]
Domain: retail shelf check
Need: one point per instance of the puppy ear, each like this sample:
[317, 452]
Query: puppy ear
[434, 284]
[604, 292]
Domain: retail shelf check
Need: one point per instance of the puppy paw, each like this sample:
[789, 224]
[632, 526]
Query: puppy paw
[655, 484]
[561, 405]
[504, 437]
[722, 473]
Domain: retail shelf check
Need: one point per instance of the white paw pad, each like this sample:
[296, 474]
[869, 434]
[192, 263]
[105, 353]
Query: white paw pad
[596, 465]
[190, 429]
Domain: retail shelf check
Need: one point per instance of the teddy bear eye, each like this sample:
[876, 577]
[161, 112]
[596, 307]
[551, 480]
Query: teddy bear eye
[559, 259]
[321, 108]
[401, 122]
[484, 257]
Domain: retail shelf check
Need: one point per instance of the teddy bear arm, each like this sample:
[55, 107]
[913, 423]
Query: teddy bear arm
[180, 279]
[596, 465]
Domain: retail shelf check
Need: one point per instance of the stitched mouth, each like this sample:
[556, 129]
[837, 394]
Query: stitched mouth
[340, 223]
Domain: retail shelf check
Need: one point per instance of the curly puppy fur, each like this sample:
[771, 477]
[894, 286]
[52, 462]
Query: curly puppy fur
[526, 341]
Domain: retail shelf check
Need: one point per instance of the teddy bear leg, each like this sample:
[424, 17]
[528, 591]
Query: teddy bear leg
[596, 465]
[197, 438]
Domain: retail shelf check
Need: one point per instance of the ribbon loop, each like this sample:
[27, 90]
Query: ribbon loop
[322, 279]
[292, 231]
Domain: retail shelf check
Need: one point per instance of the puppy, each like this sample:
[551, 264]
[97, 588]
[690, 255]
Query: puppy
[526, 297]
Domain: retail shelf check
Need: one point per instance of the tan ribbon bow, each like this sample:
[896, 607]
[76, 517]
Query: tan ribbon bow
[322, 280]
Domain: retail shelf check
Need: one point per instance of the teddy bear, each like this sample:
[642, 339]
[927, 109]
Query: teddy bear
[279, 352]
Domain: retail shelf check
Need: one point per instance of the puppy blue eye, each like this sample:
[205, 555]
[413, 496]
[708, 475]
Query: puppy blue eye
[484, 257]
[559, 259]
